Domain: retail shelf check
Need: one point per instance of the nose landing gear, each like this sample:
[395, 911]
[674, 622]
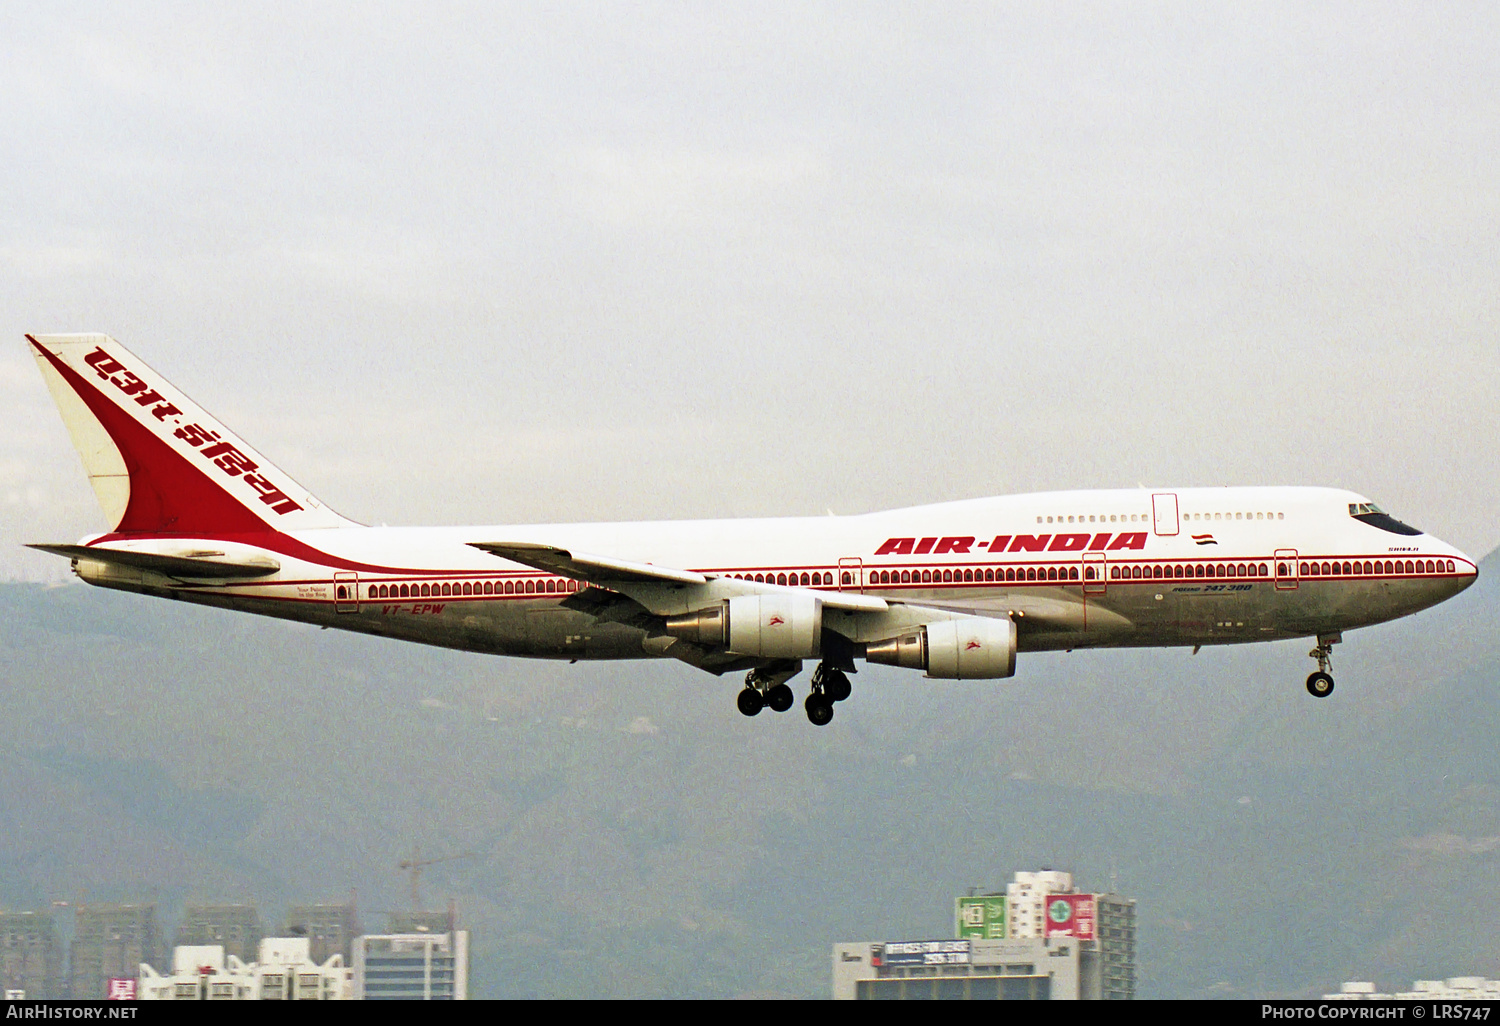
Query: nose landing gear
[1320, 683]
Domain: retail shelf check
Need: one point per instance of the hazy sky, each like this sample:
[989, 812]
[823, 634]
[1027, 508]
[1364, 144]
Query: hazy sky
[619, 261]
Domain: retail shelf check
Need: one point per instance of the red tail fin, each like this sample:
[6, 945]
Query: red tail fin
[158, 462]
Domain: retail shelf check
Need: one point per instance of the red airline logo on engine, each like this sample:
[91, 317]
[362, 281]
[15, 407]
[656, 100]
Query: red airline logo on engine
[775, 621]
[1014, 543]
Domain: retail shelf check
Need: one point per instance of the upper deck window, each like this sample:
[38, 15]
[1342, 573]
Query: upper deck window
[1373, 515]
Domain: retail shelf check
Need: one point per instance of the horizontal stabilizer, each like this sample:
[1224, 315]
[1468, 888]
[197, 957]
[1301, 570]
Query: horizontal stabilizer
[198, 566]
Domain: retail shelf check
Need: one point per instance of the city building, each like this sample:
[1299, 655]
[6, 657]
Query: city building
[1043, 939]
[200, 972]
[412, 966]
[420, 922]
[1456, 988]
[235, 928]
[283, 971]
[110, 942]
[1026, 900]
[31, 959]
[330, 928]
[289, 969]
[1029, 969]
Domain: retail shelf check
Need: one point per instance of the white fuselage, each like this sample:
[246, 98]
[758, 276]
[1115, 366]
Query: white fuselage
[1194, 566]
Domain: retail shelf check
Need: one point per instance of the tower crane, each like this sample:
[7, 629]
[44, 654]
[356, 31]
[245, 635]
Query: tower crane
[414, 866]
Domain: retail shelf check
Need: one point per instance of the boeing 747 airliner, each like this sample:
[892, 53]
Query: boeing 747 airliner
[955, 590]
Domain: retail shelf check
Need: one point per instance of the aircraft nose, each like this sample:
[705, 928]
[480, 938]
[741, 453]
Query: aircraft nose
[1465, 570]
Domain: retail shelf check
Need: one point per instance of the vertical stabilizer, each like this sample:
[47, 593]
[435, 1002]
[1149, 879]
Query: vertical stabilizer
[158, 462]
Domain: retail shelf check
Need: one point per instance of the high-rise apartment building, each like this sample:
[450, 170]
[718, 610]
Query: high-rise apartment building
[235, 928]
[31, 959]
[330, 928]
[109, 942]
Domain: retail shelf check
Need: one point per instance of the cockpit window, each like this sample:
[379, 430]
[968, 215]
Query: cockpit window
[1373, 515]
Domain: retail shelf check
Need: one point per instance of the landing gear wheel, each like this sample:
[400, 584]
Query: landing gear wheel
[750, 701]
[836, 685]
[819, 710]
[780, 698]
[1320, 684]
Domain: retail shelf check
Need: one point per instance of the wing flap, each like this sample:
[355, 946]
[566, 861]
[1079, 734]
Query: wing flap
[583, 566]
[629, 576]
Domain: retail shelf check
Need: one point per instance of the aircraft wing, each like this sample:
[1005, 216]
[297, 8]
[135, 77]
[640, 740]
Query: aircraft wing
[197, 566]
[602, 570]
[639, 580]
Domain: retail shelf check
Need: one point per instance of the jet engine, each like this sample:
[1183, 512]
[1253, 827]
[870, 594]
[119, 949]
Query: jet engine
[772, 626]
[968, 648]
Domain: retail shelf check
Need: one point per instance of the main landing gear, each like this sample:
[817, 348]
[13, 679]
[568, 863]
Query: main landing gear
[1320, 683]
[829, 684]
[766, 686]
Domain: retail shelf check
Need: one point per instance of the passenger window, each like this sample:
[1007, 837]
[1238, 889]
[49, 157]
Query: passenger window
[1073, 573]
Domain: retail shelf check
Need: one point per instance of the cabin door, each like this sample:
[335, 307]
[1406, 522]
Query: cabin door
[1286, 569]
[1164, 514]
[851, 574]
[345, 592]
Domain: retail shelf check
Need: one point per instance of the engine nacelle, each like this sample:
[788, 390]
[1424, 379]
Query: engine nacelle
[773, 626]
[969, 648]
